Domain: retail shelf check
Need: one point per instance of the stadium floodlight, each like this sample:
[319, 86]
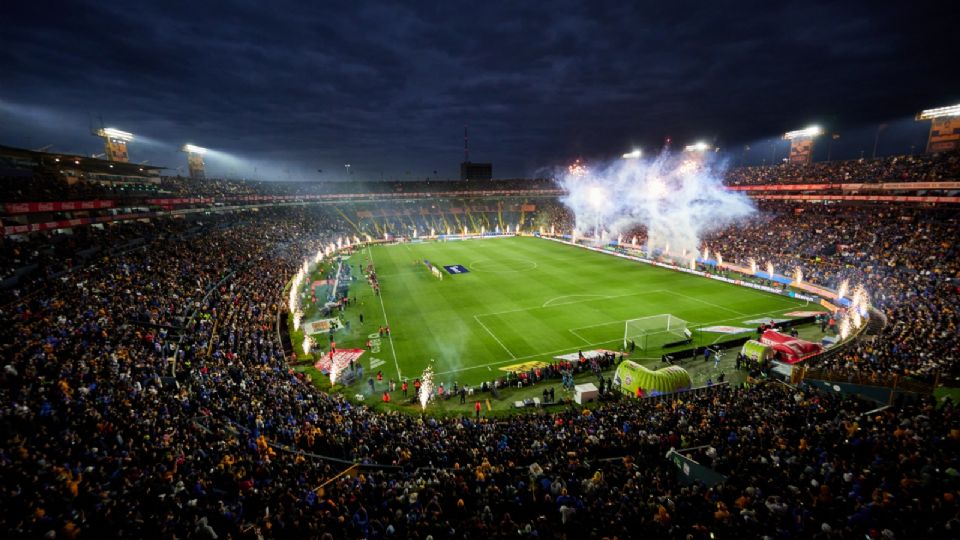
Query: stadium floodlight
[939, 112]
[193, 149]
[116, 134]
[634, 154]
[698, 146]
[807, 132]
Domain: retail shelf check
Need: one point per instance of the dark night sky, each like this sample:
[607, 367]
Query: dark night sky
[304, 85]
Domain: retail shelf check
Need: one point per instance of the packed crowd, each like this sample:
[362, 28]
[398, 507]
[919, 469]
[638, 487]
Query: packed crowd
[908, 168]
[147, 396]
[908, 261]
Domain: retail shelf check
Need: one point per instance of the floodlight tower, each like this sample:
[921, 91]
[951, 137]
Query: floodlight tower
[633, 154]
[195, 160]
[801, 143]
[695, 155]
[115, 143]
[697, 147]
[944, 128]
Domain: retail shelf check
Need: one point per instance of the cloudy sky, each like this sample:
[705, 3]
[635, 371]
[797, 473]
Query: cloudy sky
[293, 88]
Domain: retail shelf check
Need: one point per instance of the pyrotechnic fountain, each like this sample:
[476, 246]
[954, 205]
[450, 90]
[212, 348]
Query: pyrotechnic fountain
[676, 203]
[844, 327]
[753, 265]
[719, 260]
[842, 291]
[798, 275]
[426, 386]
[335, 370]
[307, 344]
[706, 253]
[769, 269]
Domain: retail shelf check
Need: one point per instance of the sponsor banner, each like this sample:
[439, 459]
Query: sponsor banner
[871, 198]
[181, 200]
[783, 187]
[920, 185]
[341, 359]
[762, 321]
[803, 313]
[456, 269]
[65, 206]
[832, 307]
[526, 366]
[589, 355]
[883, 186]
[322, 325]
[726, 329]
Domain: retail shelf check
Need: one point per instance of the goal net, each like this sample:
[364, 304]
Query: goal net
[654, 332]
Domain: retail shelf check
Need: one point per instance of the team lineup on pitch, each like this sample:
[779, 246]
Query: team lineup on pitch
[508, 301]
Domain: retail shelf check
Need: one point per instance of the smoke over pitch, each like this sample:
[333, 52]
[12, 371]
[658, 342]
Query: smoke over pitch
[675, 197]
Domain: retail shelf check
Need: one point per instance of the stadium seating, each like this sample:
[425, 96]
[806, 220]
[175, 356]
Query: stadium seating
[104, 436]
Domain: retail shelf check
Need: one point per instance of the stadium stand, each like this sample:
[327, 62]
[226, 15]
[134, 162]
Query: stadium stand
[105, 437]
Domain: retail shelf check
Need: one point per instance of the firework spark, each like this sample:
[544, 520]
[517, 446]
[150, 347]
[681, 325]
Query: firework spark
[426, 386]
[335, 370]
[844, 327]
[798, 275]
[844, 287]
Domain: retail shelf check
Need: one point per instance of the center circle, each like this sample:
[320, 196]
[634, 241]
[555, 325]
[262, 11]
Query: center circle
[503, 266]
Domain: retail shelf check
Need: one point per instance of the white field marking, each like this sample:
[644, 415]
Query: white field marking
[585, 340]
[718, 306]
[393, 348]
[635, 293]
[494, 336]
[550, 301]
[567, 349]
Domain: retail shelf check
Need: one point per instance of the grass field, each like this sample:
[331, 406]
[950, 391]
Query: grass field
[527, 299]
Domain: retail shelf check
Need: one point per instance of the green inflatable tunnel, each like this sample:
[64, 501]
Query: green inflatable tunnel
[631, 376]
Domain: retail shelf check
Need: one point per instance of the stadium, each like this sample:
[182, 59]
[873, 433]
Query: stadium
[683, 341]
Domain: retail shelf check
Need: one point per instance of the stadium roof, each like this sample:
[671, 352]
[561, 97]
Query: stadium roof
[84, 163]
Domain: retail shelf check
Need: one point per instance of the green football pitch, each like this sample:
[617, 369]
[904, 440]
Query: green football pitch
[528, 299]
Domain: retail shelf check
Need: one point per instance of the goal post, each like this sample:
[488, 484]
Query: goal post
[655, 331]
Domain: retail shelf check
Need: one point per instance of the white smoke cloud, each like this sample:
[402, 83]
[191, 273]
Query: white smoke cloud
[677, 197]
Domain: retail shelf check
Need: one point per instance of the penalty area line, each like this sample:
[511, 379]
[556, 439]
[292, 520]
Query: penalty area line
[616, 340]
[494, 336]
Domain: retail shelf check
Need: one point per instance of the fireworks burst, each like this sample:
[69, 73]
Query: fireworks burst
[307, 344]
[426, 386]
[578, 169]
